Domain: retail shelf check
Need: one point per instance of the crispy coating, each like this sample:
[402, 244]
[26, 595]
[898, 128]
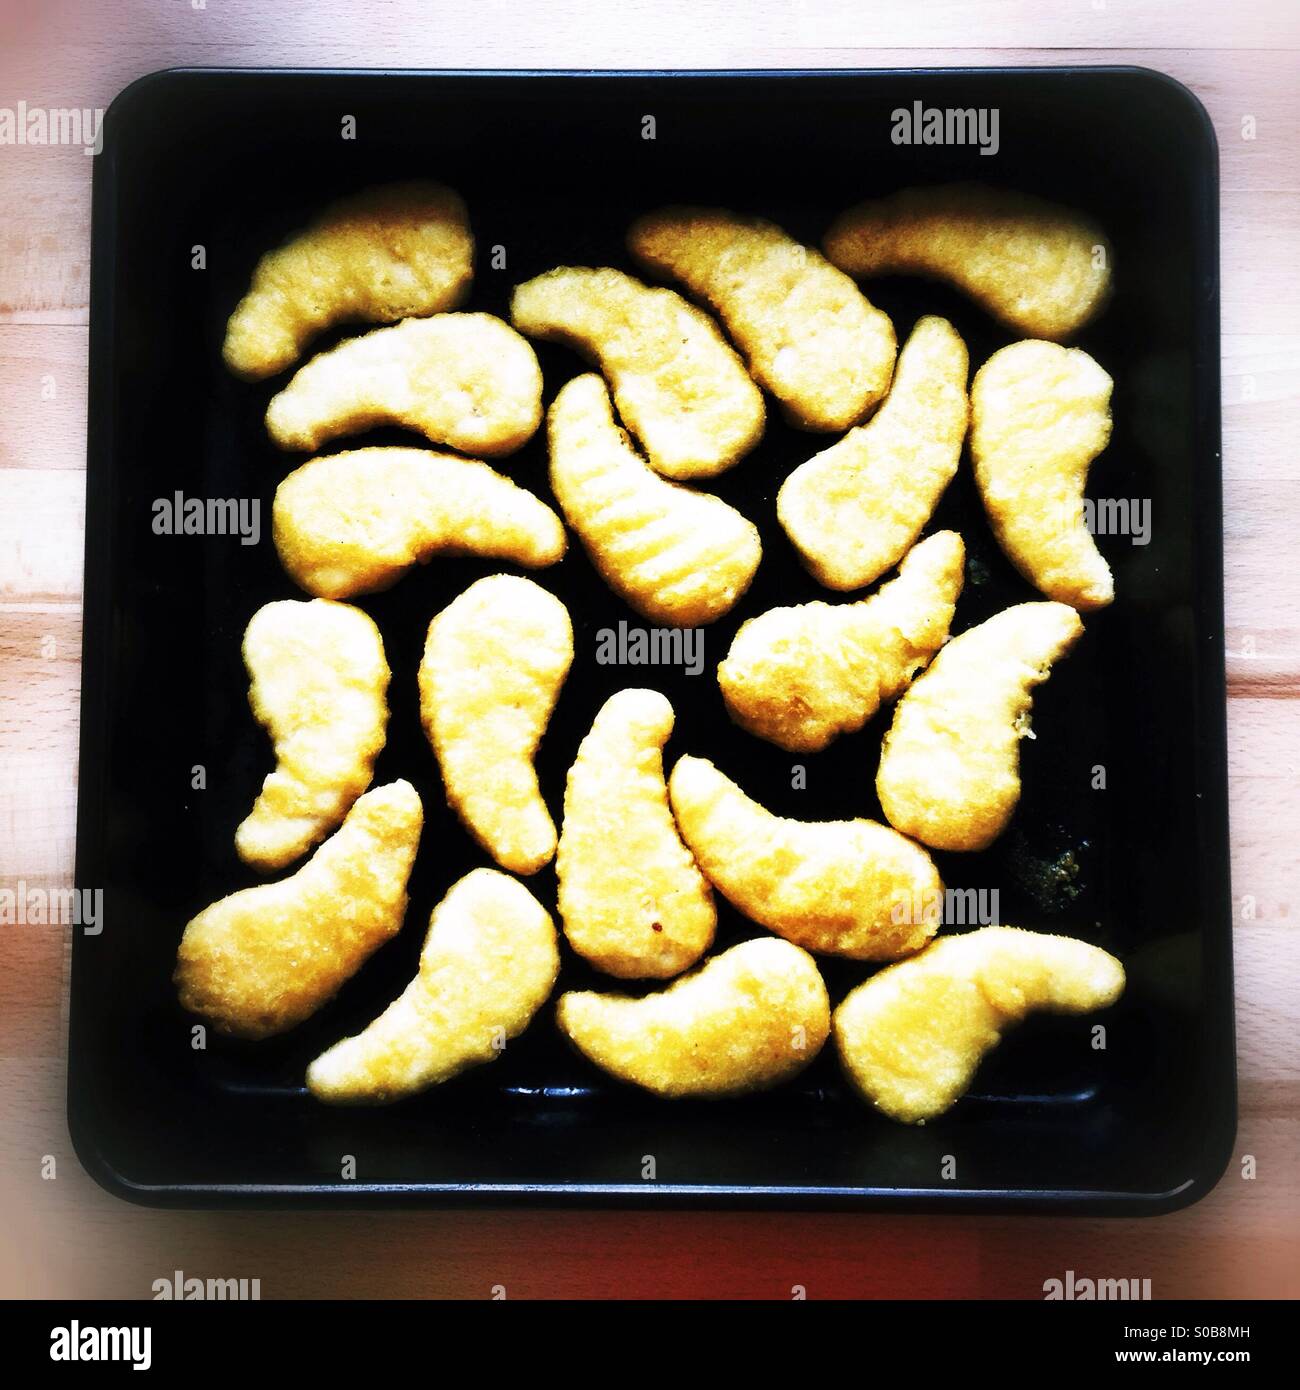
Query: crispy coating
[677, 382]
[744, 1021]
[262, 960]
[354, 523]
[386, 254]
[1039, 268]
[950, 764]
[494, 661]
[853, 510]
[1040, 414]
[911, 1037]
[809, 334]
[465, 380]
[318, 681]
[844, 888]
[631, 898]
[802, 676]
[489, 963]
[677, 556]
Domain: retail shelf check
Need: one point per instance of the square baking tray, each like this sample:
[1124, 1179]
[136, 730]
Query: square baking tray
[553, 167]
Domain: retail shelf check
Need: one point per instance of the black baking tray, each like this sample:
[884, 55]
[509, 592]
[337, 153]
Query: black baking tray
[553, 167]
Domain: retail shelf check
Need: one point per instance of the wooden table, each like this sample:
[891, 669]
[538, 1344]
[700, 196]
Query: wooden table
[64, 1236]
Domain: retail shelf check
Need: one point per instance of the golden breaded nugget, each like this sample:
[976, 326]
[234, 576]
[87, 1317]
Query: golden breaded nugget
[1040, 414]
[911, 1037]
[744, 1021]
[631, 899]
[386, 254]
[318, 684]
[675, 555]
[678, 385]
[845, 888]
[809, 334]
[802, 676]
[465, 380]
[853, 510]
[354, 523]
[489, 963]
[950, 764]
[262, 960]
[494, 661]
[1038, 267]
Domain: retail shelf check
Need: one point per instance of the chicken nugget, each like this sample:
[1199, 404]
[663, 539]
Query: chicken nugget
[631, 899]
[1040, 414]
[494, 661]
[318, 680]
[844, 888]
[809, 334]
[262, 960]
[853, 510]
[949, 771]
[677, 382]
[911, 1037]
[386, 254]
[354, 523]
[465, 380]
[489, 963]
[744, 1021]
[802, 676]
[1039, 268]
[677, 556]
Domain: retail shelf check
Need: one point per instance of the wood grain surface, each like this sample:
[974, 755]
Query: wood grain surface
[61, 1235]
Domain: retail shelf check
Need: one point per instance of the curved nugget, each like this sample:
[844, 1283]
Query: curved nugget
[853, 510]
[744, 1021]
[678, 385]
[465, 380]
[950, 764]
[262, 960]
[911, 1037]
[318, 684]
[1040, 414]
[489, 963]
[1040, 268]
[494, 662]
[354, 523]
[631, 898]
[809, 334]
[386, 254]
[802, 676]
[677, 556]
[844, 888]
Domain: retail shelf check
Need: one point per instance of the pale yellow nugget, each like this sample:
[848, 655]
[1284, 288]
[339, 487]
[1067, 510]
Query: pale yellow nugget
[631, 898]
[1040, 268]
[853, 510]
[494, 661]
[489, 963]
[950, 764]
[318, 684]
[802, 676]
[465, 380]
[1040, 414]
[911, 1037]
[677, 382]
[844, 888]
[746, 1020]
[354, 523]
[262, 960]
[809, 334]
[386, 254]
[677, 556]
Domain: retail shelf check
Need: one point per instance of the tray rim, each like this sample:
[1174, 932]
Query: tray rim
[1209, 751]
